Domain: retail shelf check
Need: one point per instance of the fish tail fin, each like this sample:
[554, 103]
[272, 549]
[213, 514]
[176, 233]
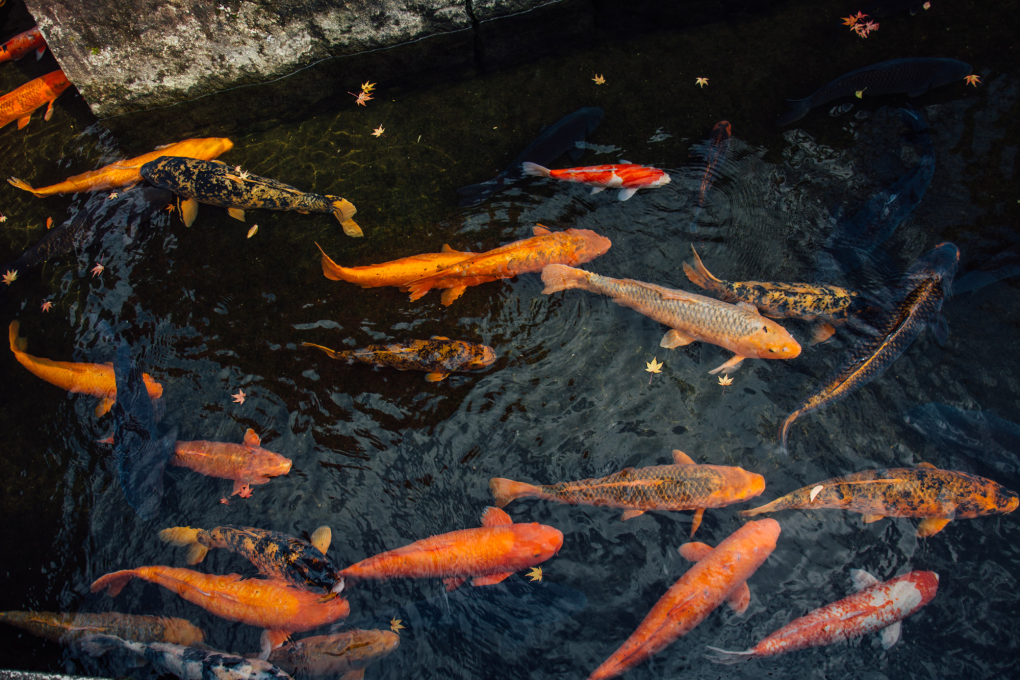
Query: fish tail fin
[726, 657]
[761, 510]
[17, 344]
[331, 352]
[535, 170]
[179, 536]
[114, 582]
[798, 109]
[330, 269]
[506, 490]
[784, 429]
[196, 553]
[557, 277]
[699, 274]
[344, 211]
[25, 186]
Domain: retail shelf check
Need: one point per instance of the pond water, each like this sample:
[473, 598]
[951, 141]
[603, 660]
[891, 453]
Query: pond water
[385, 458]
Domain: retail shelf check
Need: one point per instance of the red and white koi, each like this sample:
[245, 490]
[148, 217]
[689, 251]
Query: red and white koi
[875, 606]
[627, 177]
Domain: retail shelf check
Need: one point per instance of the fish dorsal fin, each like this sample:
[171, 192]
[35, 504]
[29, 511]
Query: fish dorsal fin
[541, 230]
[251, 439]
[447, 248]
[440, 337]
[625, 472]
[681, 458]
[927, 465]
[748, 307]
[694, 551]
[494, 517]
[321, 538]
[862, 579]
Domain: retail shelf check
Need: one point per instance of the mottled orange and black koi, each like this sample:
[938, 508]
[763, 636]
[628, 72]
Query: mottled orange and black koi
[274, 554]
[916, 303]
[938, 496]
[439, 356]
[69, 628]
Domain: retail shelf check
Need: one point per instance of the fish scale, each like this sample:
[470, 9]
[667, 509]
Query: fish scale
[669, 487]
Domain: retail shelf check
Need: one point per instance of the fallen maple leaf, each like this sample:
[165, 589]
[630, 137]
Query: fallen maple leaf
[361, 97]
[395, 625]
[224, 501]
[653, 367]
[378, 131]
[170, 208]
[244, 491]
[113, 195]
[98, 269]
[973, 80]
[725, 381]
[701, 81]
[3, 218]
[367, 86]
[239, 397]
[47, 305]
[10, 277]
[535, 574]
[599, 80]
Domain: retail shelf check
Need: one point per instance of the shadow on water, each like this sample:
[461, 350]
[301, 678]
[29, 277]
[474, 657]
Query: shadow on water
[386, 458]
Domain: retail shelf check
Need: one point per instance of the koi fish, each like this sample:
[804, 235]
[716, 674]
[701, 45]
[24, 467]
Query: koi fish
[95, 379]
[562, 137]
[573, 246]
[738, 328]
[486, 555]
[681, 486]
[718, 575]
[69, 628]
[915, 76]
[394, 273]
[439, 356]
[876, 606]
[128, 171]
[714, 155]
[938, 496]
[246, 463]
[917, 303]
[20, 104]
[22, 44]
[215, 183]
[276, 555]
[345, 654]
[279, 608]
[828, 304]
[184, 663]
[626, 177]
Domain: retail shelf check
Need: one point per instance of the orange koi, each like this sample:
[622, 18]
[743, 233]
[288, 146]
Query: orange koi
[345, 654]
[279, 608]
[394, 273]
[68, 628]
[22, 44]
[684, 485]
[95, 379]
[718, 575]
[627, 177]
[128, 172]
[246, 463]
[20, 104]
[531, 255]
[487, 555]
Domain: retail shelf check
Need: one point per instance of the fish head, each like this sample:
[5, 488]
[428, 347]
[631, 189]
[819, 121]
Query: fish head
[1005, 500]
[926, 583]
[589, 245]
[181, 632]
[275, 465]
[368, 645]
[771, 341]
[721, 130]
[481, 357]
[738, 484]
[535, 543]
[212, 147]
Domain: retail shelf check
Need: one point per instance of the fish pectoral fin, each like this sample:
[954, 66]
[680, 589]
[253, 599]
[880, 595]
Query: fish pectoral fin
[321, 538]
[625, 194]
[694, 551]
[631, 514]
[449, 295]
[358, 674]
[490, 580]
[674, 338]
[189, 211]
[453, 582]
[196, 553]
[49, 111]
[868, 519]
[740, 598]
[862, 579]
[681, 458]
[23, 121]
[927, 465]
[236, 213]
[931, 526]
[596, 190]
[890, 635]
[698, 515]
[251, 440]
[495, 517]
[104, 406]
[730, 365]
[351, 228]
[435, 376]
[540, 230]
[270, 640]
[822, 333]
[440, 337]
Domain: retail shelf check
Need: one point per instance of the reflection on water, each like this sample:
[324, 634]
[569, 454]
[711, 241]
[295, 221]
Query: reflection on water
[385, 458]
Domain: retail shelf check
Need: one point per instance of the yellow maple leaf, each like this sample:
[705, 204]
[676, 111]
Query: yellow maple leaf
[535, 574]
[395, 625]
[599, 80]
[725, 381]
[701, 81]
[367, 86]
[378, 131]
[653, 366]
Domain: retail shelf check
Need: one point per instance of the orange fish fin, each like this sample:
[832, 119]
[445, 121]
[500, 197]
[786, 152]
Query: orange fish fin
[822, 332]
[108, 440]
[196, 553]
[435, 376]
[862, 579]
[23, 121]
[104, 406]
[698, 515]
[447, 249]
[189, 211]
[238, 484]
[49, 111]
[674, 338]
[494, 517]
[699, 275]
[251, 439]
[730, 365]
[740, 598]
[631, 514]
[352, 229]
[321, 538]
[931, 526]
[453, 582]
[236, 213]
[115, 582]
[271, 639]
[179, 536]
[681, 458]
[440, 337]
[450, 295]
[490, 580]
[541, 230]
[927, 465]
[868, 519]
[329, 268]
[694, 551]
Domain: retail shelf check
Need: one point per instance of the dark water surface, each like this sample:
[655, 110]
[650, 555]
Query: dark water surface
[385, 458]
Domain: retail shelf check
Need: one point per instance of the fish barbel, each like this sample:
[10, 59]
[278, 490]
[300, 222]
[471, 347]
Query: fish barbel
[276, 555]
[68, 628]
[439, 356]
[396, 272]
[20, 104]
[346, 653]
[684, 485]
[184, 663]
[95, 379]
[128, 171]
[279, 608]
[22, 44]
[245, 464]
[938, 496]
[738, 328]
